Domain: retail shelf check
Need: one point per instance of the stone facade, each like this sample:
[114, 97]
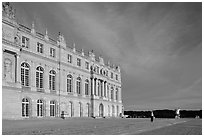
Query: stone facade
[42, 77]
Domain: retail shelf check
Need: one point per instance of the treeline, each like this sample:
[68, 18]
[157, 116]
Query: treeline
[164, 114]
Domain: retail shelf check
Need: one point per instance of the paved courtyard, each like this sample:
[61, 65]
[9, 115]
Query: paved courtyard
[108, 126]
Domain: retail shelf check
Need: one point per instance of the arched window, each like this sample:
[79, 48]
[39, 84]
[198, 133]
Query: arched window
[86, 87]
[99, 88]
[53, 107]
[101, 109]
[40, 108]
[108, 91]
[80, 110]
[116, 94]
[25, 74]
[52, 76]
[112, 90]
[69, 83]
[78, 85]
[25, 107]
[88, 109]
[101, 84]
[39, 77]
[113, 110]
[71, 111]
[117, 110]
[108, 110]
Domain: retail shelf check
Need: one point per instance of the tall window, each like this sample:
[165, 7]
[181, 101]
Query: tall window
[87, 65]
[52, 76]
[25, 107]
[87, 87]
[78, 62]
[107, 73]
[116, 94]
[80, 110]
[108, 110]
[105, 85]
[53, 108]
[52, 52]
[69, 83]
[113, 111]
[97, 69]
[40, 108]
[70, 107]
[116, 77]
[39, 77]
[107, 91]
[25, 42]
[39, 47]
[111, 74]
[88, 109]
[69, 58]
[99, 89]
[112, 90]
[117, 110]
[25, 74]
[78, 84]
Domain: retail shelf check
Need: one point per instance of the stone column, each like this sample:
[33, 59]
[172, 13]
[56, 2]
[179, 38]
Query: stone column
[83, 86]
[96, 87]
[92, 86]
[120, 94]
[74, 84]
[104, 88]
[32, 76]
[46, 79]
[99, 88]
[108, 90]
[18, 70]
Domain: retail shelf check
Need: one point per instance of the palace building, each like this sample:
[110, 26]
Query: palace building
[42, 77]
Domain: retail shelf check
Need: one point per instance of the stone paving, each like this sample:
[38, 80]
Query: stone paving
[107, 126]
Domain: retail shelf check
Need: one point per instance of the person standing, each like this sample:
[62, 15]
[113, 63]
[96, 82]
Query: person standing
[177, 113]
[152, 116]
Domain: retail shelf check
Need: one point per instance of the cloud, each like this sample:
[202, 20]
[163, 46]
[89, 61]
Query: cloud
[157, 45]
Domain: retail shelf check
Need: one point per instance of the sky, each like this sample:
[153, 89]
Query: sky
[157, 45]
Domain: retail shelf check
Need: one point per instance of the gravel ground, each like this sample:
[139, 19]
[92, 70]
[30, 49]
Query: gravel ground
[192, 127]
[89, 126]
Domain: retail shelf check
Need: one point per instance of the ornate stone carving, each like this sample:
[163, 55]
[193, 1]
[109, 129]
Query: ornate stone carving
[17, 38]
[8, 70]
[8, 10]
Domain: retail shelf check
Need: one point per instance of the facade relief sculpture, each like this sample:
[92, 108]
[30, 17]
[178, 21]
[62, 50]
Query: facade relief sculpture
[8, 70]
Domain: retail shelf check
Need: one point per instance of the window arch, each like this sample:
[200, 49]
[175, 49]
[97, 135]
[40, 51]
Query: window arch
[53, 107]
[69, 83]
[39, 77]
[25, 68]
[78, 85]
[25, 107]
[40, 108]
[86, 87]
[52, 80]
